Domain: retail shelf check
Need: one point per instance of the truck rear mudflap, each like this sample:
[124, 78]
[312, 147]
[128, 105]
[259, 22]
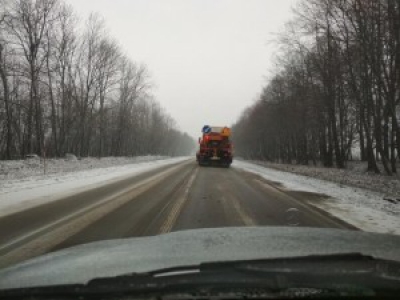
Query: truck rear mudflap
[215, 161]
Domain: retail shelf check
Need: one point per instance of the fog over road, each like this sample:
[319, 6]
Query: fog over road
[178, 197]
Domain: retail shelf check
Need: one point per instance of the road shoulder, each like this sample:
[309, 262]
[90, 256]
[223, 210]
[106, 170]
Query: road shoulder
[364, 209]
[28, 193]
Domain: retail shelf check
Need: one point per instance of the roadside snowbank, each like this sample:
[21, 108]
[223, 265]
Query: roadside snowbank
[72, 177]
[354, 175]
[18, 169]
[367, 210]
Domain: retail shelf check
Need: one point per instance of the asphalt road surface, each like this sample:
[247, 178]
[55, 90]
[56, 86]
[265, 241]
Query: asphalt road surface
[178, 197]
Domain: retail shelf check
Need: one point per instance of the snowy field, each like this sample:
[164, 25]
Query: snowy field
[365, 209]
[23, 184]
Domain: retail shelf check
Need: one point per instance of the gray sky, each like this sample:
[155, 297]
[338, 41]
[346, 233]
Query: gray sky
[208, 59]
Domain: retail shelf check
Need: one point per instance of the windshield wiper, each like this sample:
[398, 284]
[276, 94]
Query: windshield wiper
[329, 275]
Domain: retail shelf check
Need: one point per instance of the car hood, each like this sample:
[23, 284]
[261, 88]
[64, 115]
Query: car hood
[191, 247]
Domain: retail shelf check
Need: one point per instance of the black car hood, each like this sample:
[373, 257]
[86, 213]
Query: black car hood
[134, 255]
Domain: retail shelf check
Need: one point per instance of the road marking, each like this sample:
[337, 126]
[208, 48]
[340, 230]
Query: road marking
[235, 202]
[247, 220]
[45, 238]
[177, 208]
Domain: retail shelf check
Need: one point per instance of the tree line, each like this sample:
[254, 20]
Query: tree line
[67, 87]
[335, 95]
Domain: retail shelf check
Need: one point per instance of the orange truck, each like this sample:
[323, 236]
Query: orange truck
[215, 147]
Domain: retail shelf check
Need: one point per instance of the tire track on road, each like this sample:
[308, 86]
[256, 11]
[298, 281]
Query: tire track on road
[45, 238]
[178, 205]
[230, 200]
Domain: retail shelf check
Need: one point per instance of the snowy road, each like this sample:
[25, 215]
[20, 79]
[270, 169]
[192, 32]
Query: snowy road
[172, 197]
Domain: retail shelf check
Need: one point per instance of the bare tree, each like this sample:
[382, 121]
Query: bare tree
[64, 91]
[337, 85]
[4, 81]
[27, 24]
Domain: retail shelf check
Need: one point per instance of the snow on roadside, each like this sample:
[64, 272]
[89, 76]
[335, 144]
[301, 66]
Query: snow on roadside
[18, 169]
[30, 191]
[354, 174]
[364, 209]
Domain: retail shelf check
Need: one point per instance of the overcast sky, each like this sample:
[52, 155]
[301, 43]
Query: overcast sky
[208, 59]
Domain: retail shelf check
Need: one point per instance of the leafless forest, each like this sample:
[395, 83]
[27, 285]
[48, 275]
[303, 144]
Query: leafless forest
[67, 87]
[335, 94]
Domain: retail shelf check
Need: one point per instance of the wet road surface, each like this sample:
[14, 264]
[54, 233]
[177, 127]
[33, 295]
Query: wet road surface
[177, 197]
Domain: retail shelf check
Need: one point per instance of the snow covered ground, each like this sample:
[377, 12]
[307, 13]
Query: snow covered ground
[365, 209]
[19, 169]
[355, 175]
[23, 184]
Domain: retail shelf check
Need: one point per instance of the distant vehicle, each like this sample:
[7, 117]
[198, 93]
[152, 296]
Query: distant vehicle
[70, 157]
[215, 147]
[32, 156]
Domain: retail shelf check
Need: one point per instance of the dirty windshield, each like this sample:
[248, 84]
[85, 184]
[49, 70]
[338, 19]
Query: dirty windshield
[201, 121]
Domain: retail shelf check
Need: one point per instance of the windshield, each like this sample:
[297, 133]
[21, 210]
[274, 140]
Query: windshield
[125, 119]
